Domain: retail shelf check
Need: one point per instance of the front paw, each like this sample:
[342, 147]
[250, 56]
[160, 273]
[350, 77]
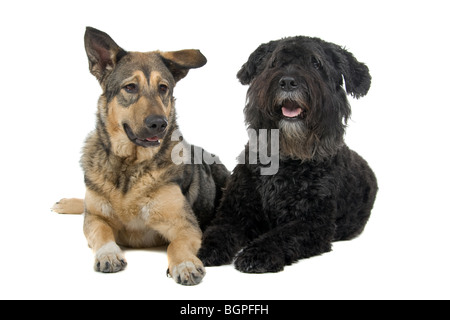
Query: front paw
[214, 256]
[188, 273]
[219, 246]
[256, 259]
[109, 259]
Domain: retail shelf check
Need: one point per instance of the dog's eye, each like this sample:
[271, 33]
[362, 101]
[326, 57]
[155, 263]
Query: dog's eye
[316, 63]
[163, 88]
[131, 88]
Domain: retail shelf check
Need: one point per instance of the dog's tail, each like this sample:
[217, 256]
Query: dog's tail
[69, 206]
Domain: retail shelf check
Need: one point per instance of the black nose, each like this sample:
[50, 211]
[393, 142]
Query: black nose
[156, 124]
[288, 84]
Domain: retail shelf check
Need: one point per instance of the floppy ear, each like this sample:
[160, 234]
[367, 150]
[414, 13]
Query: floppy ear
[103, 53]
[180, 62]
[356, 74]
[254, 65]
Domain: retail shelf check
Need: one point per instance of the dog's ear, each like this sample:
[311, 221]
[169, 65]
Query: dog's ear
[180, 62]
[356, 74]
[103, 53]
[254, 65]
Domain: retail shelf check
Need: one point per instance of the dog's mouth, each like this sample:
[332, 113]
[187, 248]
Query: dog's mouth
[291, 110]
[146, 142]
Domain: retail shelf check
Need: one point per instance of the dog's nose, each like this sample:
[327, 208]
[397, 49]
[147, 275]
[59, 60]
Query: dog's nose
[156, 123]
[288, 84]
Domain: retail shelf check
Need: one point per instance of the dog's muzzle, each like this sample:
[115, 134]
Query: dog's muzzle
[290, 99]
[154, 130]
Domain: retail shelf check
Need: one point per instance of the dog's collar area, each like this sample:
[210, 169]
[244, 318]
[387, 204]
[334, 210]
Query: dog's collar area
[146, 143]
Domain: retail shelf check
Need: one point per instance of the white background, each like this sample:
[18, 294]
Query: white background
[48, 101]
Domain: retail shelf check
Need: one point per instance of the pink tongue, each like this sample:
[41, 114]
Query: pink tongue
[153, 139]
[291, 113]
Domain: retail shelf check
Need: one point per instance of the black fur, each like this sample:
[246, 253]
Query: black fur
[323, 191]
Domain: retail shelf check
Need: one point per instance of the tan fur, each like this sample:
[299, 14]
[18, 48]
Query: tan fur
[69, 206]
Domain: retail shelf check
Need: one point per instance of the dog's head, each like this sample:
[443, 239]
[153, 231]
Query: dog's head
[296, 85]
[137, 105]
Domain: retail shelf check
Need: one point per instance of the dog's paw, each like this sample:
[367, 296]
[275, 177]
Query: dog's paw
[255, 259]
[109, 259]
[188, 273]
[212, 257]
[219, 246]
[69, 206]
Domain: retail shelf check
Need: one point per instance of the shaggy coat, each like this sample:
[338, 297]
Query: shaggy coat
[323, 191]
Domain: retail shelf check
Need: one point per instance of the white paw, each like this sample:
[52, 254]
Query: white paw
[109, 259]
[188, 273]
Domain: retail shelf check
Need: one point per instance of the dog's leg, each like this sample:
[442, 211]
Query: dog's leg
[69, 206]
[109, 257]
[184, 267]
[221, 241]
[226, 235]
[173, 218]
[285, 245]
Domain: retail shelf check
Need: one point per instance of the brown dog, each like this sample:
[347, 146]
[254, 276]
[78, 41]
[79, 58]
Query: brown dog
[136, 196]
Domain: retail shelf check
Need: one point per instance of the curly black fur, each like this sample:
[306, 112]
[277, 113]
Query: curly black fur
[323, 191]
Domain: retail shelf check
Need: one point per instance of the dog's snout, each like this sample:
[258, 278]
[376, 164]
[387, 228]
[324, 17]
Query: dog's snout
[156, 123]
[288, 84]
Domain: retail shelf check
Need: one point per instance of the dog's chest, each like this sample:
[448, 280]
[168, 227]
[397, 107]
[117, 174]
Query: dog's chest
[131, 217]
[137, 232]
[132, 194]
[132, 179]
[293, 191]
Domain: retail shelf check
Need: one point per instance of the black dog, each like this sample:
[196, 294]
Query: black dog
[323, 191]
